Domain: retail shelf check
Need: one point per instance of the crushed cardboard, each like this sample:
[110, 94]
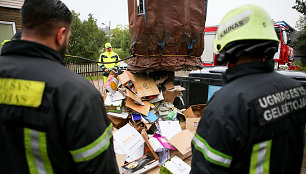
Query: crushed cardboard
[150, 98]
[144, 85]
[182, 142]
[139, 108]
[195, 111]
[192, 123]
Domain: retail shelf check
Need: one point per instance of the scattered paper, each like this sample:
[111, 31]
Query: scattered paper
[128, 139]
[160, 97]
[139, 152]
[169, 128]
[151, 117]
[177, 166]
[121, 115]
[117, 96]
[136, 117]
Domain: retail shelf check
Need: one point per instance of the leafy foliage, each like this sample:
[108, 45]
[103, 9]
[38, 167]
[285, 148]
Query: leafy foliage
[121, 38]
[301, 7]
[122, 54]
[301, 44]
[301, 67]
[86, 38]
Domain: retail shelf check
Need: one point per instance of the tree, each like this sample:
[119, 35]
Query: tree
[121, 38]
[86, 38]
[301, 7]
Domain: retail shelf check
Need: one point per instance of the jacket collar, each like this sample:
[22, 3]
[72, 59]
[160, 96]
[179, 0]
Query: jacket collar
[248, 69]
[31, 49]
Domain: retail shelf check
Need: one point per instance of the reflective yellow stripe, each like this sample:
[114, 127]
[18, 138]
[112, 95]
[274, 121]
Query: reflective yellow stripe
[260, 158]
[95, 148]
[21, 92]
[36, 152]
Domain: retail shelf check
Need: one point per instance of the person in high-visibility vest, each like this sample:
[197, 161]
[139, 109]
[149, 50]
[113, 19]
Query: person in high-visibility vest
[255, 122]
[109, 56]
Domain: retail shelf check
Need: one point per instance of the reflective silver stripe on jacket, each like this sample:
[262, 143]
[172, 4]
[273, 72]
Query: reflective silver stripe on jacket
[36, 152]
[211, 154]
[95, 148]
[260, 158]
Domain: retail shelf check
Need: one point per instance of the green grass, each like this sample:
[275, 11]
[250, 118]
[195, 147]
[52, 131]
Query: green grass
[94, 78]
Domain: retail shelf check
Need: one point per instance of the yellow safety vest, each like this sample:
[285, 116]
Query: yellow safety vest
[109, 57]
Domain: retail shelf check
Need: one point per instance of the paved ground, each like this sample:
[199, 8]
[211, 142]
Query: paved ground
[99, 85]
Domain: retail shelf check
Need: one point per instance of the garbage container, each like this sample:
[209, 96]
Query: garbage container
[198, 85]
[201, 84]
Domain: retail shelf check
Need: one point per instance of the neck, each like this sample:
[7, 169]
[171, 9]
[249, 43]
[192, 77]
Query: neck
[247, 59]
[49, 41]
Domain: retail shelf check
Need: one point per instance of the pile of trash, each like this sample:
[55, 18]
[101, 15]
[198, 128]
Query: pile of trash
[149, 131]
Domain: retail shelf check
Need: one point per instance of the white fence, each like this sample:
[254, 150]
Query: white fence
[85, 69]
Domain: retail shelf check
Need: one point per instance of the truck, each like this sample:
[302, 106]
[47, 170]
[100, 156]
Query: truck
[283, 58]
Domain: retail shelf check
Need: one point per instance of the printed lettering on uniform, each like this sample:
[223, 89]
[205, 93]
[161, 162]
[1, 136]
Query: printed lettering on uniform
[275, 106]
[21, 92]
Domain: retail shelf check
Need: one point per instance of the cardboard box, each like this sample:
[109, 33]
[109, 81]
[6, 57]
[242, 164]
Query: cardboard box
[120, 158]
[117, 122]
[146, 138]
[182, 142]
[144, 85]
[194, 111]
[175, 166]
[170, 95]
[139, 108]
[113, 106]
[169, 84]
[192, 123]
[125, 77]
[133, 96]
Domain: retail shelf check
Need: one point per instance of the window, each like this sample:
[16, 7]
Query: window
[140, 7]
[277, 30]
[7, 30]
[285, 37]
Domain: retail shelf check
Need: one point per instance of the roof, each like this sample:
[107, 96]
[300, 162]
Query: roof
[17, 4]
[285, 24]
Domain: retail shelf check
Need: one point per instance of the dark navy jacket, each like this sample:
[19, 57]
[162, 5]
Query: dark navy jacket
[254, 124]
[51, 119]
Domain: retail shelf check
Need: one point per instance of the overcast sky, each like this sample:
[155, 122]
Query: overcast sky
[116, 11]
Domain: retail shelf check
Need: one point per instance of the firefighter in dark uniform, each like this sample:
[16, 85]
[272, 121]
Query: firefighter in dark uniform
[51, 119]
[255, 123]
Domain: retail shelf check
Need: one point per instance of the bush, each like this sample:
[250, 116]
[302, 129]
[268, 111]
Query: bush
[300, 65]
[121, 53]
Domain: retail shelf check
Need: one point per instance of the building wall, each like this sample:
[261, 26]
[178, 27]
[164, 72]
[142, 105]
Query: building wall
[17, 4]
[11, 15]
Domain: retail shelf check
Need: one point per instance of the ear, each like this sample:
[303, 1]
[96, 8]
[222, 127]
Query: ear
[60, 36]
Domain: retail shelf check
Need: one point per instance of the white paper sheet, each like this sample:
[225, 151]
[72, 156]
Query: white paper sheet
[128, 139]
[169, 128]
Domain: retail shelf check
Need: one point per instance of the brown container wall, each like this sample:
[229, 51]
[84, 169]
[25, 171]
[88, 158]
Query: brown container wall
[169, 35]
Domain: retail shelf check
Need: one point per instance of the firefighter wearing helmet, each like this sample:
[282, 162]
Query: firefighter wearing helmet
[255, 123]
